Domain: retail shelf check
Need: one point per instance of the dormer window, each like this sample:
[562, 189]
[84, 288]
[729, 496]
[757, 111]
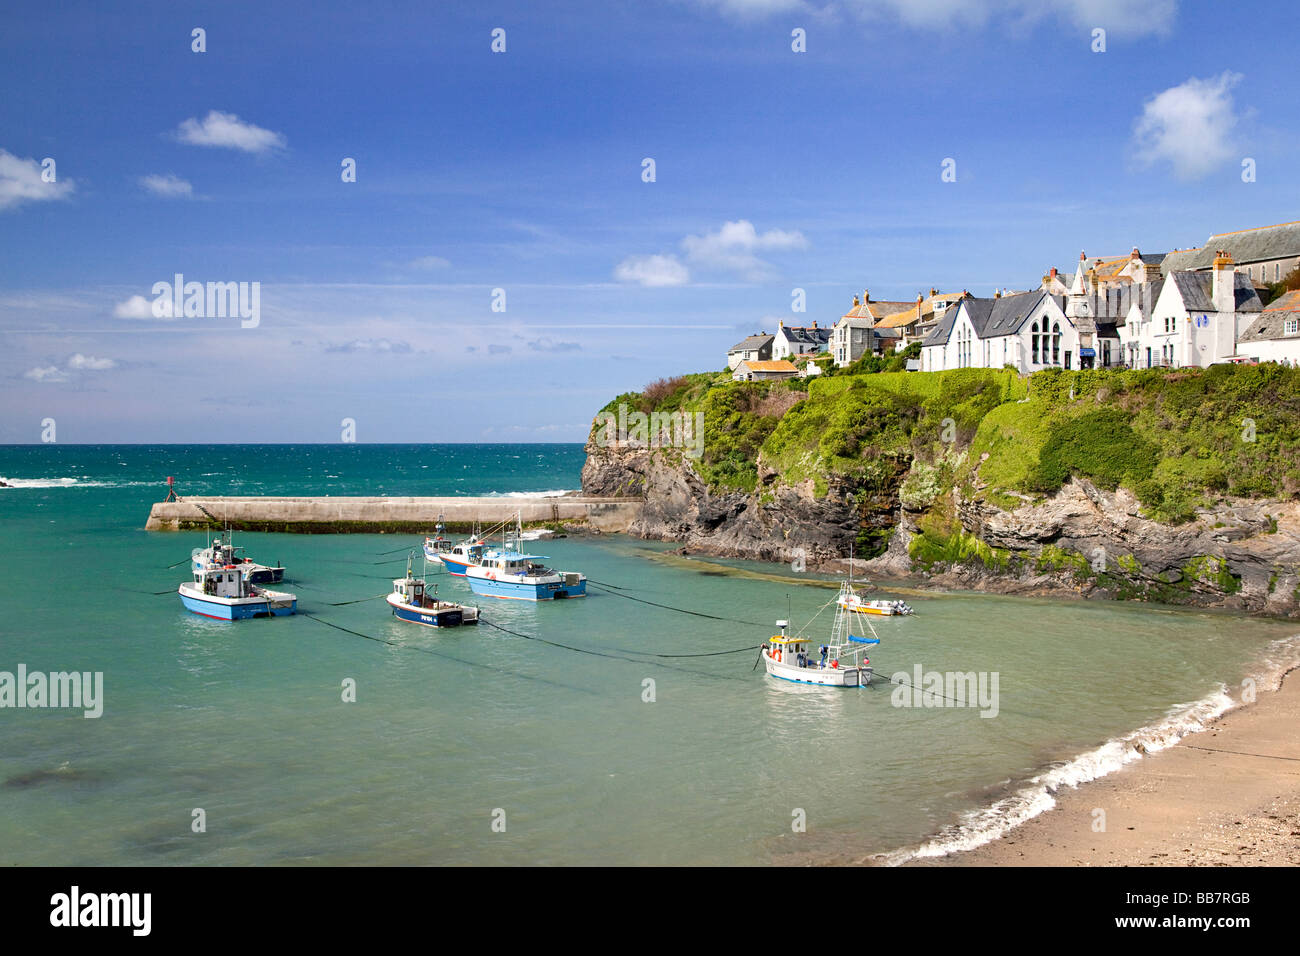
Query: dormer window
[1291, 326]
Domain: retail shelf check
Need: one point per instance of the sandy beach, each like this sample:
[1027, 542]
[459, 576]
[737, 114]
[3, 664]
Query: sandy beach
[1229, 796]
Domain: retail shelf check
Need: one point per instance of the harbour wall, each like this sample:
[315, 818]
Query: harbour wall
[329, 515]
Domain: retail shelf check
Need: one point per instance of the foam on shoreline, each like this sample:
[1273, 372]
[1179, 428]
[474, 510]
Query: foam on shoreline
[986, 824]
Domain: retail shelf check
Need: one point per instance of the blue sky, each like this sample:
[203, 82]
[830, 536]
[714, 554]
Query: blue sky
[522, 171]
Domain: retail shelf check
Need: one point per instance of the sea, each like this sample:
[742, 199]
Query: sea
[629, 727]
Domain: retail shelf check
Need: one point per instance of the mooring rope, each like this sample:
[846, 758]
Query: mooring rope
[680, 610]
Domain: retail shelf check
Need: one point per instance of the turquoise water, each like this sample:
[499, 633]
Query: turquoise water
[246, 720]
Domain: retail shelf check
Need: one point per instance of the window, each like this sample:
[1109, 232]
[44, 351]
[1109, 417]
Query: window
[1033, 348]
[1291, 326]
[1277, 271]
[1056, 343]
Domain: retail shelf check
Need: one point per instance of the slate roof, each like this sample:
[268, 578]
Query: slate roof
[990, 317]
[805, 336]
[1281, 241]
[752, 342]
[1145, 297]
[1197, 291]
[1270, 325]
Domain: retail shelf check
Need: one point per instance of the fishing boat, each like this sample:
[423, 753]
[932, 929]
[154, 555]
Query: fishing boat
[455, 558]
[509, 573]
[411, 601]
[855, 602]
[224, 592]
[841, 662]
[222, 552]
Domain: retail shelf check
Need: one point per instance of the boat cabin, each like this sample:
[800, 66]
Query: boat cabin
[512, 563]
[227, 581]
[467, 551]
[410, 591]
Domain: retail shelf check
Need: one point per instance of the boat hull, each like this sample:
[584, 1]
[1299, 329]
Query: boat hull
[526, 591]
[237, 609]
[453, 616]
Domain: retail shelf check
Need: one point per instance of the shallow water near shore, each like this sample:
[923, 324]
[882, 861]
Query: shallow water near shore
[246, 720]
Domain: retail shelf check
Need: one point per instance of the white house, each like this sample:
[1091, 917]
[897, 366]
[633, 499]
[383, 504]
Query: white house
[1274, 335]
[796, 340]
[1196, 320]
[1028, 331]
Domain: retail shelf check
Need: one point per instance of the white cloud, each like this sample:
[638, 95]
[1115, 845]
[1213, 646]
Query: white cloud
[735, 245]
[1121, 17]
[20, 182]
[652, 271]
[138, 307]
[229, 131]
[90, 363]
[1191, 126]
[168, 185]
[47, 373]
[429, 262]
[372, 345]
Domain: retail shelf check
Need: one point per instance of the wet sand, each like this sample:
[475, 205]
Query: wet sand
[1229, 796]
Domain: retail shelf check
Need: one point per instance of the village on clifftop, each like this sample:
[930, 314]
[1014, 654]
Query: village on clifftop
[1234, 300]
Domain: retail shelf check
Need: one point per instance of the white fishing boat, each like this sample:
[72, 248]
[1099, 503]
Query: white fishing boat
[841, 662]
[223, 552]
[411, 601]
[225, 593]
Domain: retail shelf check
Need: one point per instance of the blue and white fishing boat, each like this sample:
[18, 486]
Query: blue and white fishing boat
[841, 662]
[224, 592]
[222, 552]
[410, 601]
[509, 573]
[456, 558]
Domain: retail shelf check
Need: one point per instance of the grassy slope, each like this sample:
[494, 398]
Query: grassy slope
[1176, 439]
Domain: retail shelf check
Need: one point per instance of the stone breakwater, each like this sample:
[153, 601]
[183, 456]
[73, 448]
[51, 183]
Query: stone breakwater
[370, 515]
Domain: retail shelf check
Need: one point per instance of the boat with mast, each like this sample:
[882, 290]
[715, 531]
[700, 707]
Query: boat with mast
[410, 600]
[842, 661]
[224, 592]
[509, 573]
[455, 558]
[223, 552]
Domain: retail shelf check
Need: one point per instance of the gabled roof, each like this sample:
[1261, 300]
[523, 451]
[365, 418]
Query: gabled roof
[1197, 291]
[991, 318]
[1281, 241]
[871, 309]
[752, 342]
[1145, 297]
[1286, 302]
[805, 336]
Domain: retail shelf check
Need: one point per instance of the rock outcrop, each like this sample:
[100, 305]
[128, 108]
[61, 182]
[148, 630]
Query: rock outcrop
[1240, 554]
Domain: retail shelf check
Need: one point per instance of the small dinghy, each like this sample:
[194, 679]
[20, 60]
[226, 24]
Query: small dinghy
[855, 602]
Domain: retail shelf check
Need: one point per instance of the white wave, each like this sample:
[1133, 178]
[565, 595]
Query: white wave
[978, 827]
[70, 483]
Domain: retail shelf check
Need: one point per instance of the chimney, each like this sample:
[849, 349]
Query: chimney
[1135, 254]
[1223, 292]
[997, 293]
[865, 297]
[814, 323]
[855, 302]
[1082, 257]
[934, 292]
[780, 323]
[1053, 272]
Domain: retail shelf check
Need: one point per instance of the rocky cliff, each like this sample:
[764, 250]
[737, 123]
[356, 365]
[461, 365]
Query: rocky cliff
[925, 513]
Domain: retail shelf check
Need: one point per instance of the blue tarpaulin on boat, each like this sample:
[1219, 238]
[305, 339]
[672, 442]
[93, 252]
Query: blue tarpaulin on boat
[864, 640]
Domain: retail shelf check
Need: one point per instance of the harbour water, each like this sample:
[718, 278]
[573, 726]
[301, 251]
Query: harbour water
[590, 752]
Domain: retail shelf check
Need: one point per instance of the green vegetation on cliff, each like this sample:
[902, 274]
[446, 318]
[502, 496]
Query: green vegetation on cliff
[1177, 439]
